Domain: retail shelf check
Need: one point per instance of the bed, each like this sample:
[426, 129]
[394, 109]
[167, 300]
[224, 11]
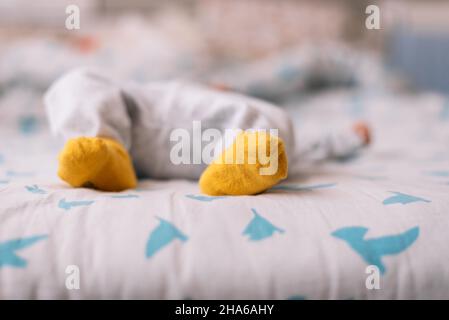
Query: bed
[323, 235]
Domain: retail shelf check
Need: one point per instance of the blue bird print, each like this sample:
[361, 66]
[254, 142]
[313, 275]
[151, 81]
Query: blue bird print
[67, 205]
[402, 198]
[372, 250]
[125, 196]
[260, 228]
[204, 198]
[8, 256]
[161, 236]
[293, 187]
[35, 189]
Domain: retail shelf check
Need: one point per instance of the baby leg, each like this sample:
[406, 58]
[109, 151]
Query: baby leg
[332, 144]
[256, 159]
[88, 110]
[255, 162]
[101, 163]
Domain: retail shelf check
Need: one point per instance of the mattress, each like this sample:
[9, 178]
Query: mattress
[370, 226]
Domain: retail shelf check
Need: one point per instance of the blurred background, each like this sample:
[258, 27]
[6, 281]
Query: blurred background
[270, 49]
[316, 59]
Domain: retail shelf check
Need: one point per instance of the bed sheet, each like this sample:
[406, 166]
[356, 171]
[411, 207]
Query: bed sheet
[312, 237]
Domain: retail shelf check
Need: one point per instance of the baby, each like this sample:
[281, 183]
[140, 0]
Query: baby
[118, 131]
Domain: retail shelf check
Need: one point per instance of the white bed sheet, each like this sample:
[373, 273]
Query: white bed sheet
[165, 240]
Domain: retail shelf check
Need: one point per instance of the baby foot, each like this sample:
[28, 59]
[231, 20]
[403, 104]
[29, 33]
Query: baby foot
[96, 162]
[363, 131]
[255, 162]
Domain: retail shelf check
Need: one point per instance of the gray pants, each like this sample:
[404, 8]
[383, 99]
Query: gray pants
[143, 117]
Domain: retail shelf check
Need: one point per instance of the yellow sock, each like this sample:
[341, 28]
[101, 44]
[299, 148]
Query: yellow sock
[96, 162]
[225, 176]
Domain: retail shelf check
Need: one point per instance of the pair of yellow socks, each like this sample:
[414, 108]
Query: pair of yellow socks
[105, 164]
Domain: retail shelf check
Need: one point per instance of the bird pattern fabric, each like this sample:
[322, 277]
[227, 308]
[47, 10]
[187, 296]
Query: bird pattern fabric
[311, 237]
